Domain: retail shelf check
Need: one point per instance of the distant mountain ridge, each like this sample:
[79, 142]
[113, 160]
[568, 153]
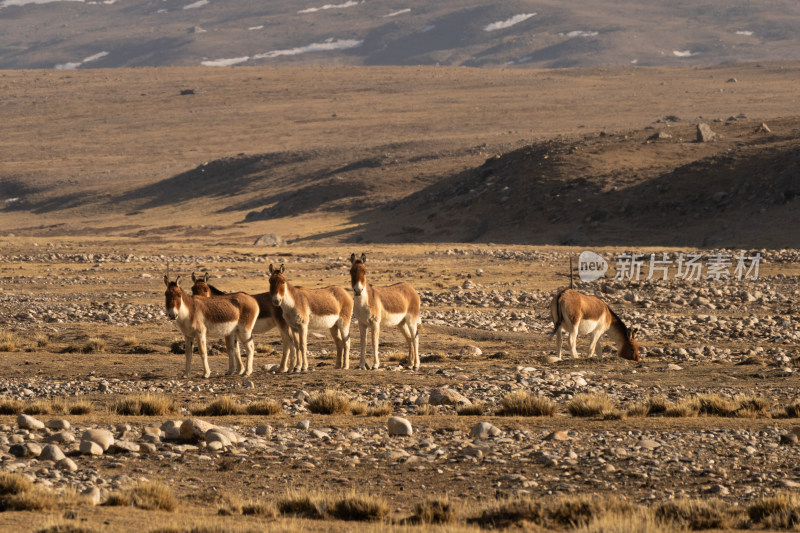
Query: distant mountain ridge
[72, 34]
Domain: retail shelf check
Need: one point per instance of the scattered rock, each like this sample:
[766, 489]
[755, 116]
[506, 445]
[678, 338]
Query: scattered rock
[269, 239]
[28, 422]
[101, 437]
[88, 447]
[705, 134]
[399, 426]
[51, 452]
[484, 430]
[447, 396]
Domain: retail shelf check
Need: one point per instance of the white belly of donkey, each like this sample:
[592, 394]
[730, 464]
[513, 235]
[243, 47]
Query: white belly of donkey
[323, 322]
[221, 329]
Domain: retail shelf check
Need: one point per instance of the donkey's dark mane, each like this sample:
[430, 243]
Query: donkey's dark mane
[215, 291]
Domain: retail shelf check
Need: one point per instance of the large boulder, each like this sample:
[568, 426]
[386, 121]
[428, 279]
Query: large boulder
[399, 426]
[28, 422]
[705, 134]
[269, 239]
[447, 396]
[102, 437]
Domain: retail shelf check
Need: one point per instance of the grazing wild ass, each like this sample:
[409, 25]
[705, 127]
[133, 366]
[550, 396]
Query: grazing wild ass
[577, 313]
[269, 316]
[231, 316]
[330, 308]
[396, 305]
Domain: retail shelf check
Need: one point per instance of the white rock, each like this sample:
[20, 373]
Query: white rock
[484, 430]
[28, 422]
[67, 464]
[101, 437]
[58, 424]
[399, 426]
[195, 429]
[52, 452]
[88, 447]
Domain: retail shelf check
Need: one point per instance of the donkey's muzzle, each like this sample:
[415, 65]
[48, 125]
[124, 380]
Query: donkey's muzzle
[172, 314]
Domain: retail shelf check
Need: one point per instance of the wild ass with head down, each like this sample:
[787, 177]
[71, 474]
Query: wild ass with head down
[393, 306]
[576, 313]
[329, 308]
[231, 316]
[269, 316]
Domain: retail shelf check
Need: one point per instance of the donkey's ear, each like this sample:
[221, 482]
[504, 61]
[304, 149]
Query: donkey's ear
[363, 258]
[177, 280]
[205, 277]
[271, 270]
[166, 280]
[194, 278]
[283, 269]
[634, 331]
[352, 258]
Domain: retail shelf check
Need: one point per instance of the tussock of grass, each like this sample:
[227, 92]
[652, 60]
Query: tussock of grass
[716, 405]
[62, 526]
[259, 508]
[144, 404]
[40, 340]
[590, 405]
[94, 345]
[302, 503]
[638, 410]
[793, 409]
[39, 407]
[688, 407]
[14, 483]
[641, 521]
[265, 407]
[358, 408]
[10, 406]
[523, 403]
[9, 342]
[147, 495]
[615, 414]
[79, 407]
[564, 511]
[130, 341]
[329, 402]
[781, 511]
[427, 410]
[222, 406]
[32, 498]
[359, 507]
[384, 409]
[205, 527]
[475, 409]
[698, 514]
[436, 511]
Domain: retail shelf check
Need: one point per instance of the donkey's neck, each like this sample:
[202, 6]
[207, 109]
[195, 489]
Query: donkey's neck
[618, 332]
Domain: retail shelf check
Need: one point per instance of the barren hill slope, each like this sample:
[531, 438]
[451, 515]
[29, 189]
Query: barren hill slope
[508, 33]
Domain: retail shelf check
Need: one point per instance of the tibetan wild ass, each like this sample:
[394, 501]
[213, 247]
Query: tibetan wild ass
[269, 317]
[231, 316]
[329, 309]
[576, 313]
[393, 306]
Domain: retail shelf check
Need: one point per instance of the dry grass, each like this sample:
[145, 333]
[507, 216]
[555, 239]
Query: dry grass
[590, 405]
[144, 404]
[329, 402]
[147, 495]
[79, 407]
[65, 526]
[11, 406]
[94, 345]
[716, 405]
[383, 409]
[523, 403]
[222, 406]
[641, 521]
[698, 514]
[475, 409]
[688, 407]
[781, 511]
[793, 409]
[259, 508]
[559, 512]
[130, 341]
[265, 408]
[40, 340]
[9, 342]
[303, 504]
[14, 483]
[40, 407]
[427, 410]
[435, 511]
[358, 408]
[359, 507]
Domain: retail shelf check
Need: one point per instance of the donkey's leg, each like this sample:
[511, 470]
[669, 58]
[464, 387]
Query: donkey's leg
[303, 366]
[595, 336]
[415, 330]
[376, 334]
[232, 347]
[405, 329]
[560, 341]
[204, 354]
[189, 348]
[362, 329]
[286, 345]
[297, 358]
[250, 348]
[336, 335]
[573, 340]
[345, 332]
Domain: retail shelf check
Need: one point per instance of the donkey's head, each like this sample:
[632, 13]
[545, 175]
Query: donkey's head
[277, 284]
[173, 296]
[201, 287]
[358, 273]
[630, 348]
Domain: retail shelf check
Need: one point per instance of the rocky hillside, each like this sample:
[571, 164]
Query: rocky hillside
[512, 33]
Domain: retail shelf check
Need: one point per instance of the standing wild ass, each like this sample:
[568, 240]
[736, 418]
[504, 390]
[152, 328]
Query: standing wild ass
[231, 316]
[330, 308]
[396, 305]
[269, 316]
[580, 313]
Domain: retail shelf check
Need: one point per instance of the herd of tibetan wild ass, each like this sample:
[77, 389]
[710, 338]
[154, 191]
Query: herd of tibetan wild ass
[209, 312]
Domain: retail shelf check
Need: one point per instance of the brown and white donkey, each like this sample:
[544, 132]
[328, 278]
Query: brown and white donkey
[393, 306]
[231, 316]
[269, 317]
[577, 313]
[329, 308]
